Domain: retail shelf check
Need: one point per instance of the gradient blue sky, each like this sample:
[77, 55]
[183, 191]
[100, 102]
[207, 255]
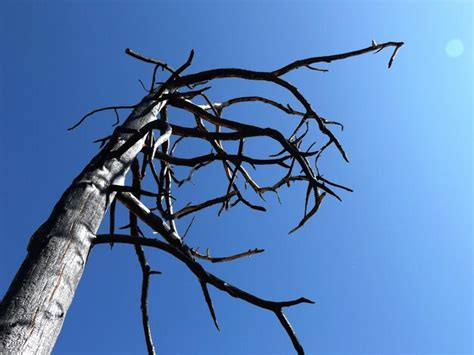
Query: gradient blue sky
[390, 268]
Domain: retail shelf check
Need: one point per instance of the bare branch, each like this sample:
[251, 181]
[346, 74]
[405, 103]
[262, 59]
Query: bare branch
[188, 228]
[158, 63]
[308, 215]
[205, 277]
[194, 208]
[331, 58]
[290, 331]
[221, 259]
[286, 109]
[316, 69]
[137, 192]
[334, 184]
[208, 299]
[134, 230]
[208, 158]
[143, 85]
[108, 108]
[165, 176]
[144, 213]
[392, 58]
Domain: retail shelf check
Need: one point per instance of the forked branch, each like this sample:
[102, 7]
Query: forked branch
[205, 278]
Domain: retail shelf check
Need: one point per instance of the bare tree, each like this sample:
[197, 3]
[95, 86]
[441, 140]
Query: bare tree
[33, 309]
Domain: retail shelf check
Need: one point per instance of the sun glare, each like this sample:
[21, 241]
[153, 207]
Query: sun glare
[454, 48]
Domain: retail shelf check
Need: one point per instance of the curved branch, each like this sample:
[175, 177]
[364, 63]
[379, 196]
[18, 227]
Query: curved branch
[287, 109]
[221, 259]
[115, 108]
[205, 277]
[334, 57]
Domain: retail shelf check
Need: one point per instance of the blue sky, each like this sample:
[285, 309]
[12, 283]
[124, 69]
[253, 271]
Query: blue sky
[390, 268]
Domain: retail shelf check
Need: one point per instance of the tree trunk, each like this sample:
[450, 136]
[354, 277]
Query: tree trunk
[33, 309]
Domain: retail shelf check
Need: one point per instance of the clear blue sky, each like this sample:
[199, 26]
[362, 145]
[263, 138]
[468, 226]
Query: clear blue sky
[390, 268]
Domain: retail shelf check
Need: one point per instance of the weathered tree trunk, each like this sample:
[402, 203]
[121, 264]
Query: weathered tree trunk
[33, 309]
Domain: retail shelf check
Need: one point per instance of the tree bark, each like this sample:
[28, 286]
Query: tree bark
[33, 309]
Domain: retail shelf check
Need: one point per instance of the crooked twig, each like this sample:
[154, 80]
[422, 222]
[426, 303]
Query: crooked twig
[108, 108]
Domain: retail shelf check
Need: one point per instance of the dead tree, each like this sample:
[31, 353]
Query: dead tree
[33, 309]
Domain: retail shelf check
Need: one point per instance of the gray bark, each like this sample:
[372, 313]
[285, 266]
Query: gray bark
[33, 309]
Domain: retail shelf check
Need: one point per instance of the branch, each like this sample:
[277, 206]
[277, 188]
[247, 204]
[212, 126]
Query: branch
[208, 299]
[331, 58]
[165, 176]
[143, 58]
[136, 191]
[308, 215]
[208, 278]
[145, 267]
[114, 108]
[221, 259]
[194, 208]
[222, 105]
[208, 158]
